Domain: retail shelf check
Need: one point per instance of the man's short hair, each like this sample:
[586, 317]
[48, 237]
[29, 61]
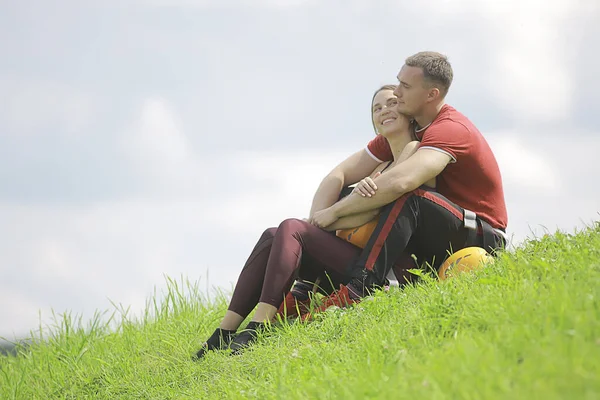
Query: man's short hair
[436, 69]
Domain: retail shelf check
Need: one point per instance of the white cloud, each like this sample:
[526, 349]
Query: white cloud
[286, 185]
[42, 107]
[225, 3]
[549, 183]
[528, 74]
[155, 140]
[530, 70]
[523, 166]
[525, 42]
[160, 152]
[18, 313]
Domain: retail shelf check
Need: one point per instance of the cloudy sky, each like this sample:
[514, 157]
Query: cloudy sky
[144, 139]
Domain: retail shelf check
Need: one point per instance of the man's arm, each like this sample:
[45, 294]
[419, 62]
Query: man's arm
[348, 172]
[367, 187]
[424, 165]
[409, 150]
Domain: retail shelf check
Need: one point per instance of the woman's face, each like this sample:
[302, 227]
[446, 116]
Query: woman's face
[385, 114]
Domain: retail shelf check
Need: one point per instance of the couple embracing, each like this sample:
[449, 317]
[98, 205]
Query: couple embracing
[426, 184]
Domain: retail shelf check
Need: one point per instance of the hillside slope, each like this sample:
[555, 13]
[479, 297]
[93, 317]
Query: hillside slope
[526, 327]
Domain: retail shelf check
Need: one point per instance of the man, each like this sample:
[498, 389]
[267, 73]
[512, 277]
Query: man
[468, 207]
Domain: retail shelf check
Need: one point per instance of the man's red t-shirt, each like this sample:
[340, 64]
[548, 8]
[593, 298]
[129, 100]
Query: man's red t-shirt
[472, 179]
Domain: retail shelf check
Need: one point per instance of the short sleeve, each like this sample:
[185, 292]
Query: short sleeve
[449, 137]
[379, 149]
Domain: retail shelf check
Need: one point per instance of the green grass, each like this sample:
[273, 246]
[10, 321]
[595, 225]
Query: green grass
[526, 327]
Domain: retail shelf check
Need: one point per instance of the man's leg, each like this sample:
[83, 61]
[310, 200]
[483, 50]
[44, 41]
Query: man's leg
[402, 266]
[427, 220]
[312, 278]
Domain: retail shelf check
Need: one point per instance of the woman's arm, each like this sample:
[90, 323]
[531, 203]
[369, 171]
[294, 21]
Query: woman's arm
[330, 188]
[353, 221]
[348, 172]
[359, 219]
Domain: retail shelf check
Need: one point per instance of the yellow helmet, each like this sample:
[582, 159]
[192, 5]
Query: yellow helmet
[467, 259]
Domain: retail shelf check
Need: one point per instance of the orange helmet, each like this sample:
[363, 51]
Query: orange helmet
[467, 259]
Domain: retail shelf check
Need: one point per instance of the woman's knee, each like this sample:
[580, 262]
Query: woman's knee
[291, 224]
[269, 233]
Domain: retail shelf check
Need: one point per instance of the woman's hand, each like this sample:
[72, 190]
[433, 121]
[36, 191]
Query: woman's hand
[366, 187]
[323, 218]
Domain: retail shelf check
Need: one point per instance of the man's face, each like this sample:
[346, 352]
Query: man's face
[412, 92]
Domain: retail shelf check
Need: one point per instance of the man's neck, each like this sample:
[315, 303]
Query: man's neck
[428, 115]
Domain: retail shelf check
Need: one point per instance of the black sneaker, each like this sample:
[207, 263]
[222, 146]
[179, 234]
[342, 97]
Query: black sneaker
[246, 337]
[219, 340]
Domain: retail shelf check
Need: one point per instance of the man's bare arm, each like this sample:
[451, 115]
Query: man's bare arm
[348, 172]
[367, 187]
[424, 165]
[410, 149]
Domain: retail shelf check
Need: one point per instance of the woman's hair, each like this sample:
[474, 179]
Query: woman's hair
[384, 87]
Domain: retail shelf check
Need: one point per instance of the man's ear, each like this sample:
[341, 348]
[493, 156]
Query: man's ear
[433, 94]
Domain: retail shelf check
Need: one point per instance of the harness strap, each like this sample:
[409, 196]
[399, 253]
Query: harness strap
[470, 219]
[479, 231]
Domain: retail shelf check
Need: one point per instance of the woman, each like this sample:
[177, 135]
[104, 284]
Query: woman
[297, 249]
[298, 299]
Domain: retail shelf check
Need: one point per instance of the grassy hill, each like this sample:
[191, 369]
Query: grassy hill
[526, 327]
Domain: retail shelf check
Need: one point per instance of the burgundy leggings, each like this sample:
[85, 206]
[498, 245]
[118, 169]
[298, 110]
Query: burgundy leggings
[296, 249]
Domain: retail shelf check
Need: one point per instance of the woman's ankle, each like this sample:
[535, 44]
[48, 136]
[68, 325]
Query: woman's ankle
[231, 321]
[264, 312]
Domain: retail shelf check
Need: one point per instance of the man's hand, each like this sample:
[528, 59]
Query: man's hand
[323, 218]
[366, 187]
